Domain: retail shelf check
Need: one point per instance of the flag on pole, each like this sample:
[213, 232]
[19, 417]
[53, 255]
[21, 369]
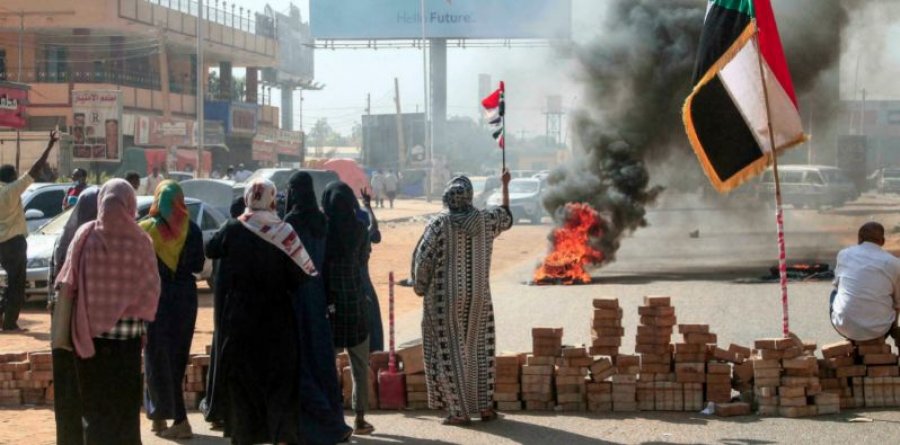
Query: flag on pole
[726, 114]
[494, 110]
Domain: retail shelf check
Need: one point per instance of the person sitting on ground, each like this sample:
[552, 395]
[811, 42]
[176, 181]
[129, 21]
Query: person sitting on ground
[133, 178]
[866, 299]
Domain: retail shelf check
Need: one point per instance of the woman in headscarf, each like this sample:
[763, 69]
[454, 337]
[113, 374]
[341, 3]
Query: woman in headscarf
[373, 236]
[213, 403]
[178, 243]
[322, 412]
[258, 364]
[105, 276]
[343, 286]
[451, 269]
[67, 400]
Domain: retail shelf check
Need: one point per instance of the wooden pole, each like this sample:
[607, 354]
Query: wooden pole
[779, 213]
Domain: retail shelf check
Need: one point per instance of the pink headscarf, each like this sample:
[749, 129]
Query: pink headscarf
[110, 269]
[261, 219]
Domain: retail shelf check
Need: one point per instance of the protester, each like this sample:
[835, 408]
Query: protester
[112, 296]
[229, 174]
[79, 177]
[152, 181]
[373, 236]
[178, 243]
[451, 269]
[242, 173]
[322, 412]
[13, 230]
[66, 397]
[866, 299]
[343, 286]
[213, 403]
[391, 185]
[133, 178]
[378, 188]
[259, 361]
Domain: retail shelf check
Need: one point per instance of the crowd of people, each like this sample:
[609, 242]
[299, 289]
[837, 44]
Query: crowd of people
[126, 290]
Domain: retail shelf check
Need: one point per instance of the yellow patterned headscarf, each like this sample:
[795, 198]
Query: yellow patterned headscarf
[168, 223]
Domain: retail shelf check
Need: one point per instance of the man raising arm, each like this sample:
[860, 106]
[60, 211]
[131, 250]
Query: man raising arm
[12, 233]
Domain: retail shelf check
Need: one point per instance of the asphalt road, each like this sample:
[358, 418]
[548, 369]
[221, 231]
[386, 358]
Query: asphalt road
[705, 277]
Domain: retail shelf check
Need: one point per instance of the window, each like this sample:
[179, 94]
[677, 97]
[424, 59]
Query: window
[49, 202]
[56, 63]
[792, 177]
[194, 211]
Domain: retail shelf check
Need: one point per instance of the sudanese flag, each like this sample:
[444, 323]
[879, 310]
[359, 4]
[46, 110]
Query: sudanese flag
[725, 116]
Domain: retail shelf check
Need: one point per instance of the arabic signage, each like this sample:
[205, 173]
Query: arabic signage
[242, 119]
[155, 131]
[285, 142]
[13, 98]
[95, 128]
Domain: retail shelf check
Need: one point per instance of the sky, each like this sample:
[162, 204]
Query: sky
[530, 74]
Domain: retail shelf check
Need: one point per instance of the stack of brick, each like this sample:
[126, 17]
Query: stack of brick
[624, 383]
[742, 370]
[606, 328]
[195, 380]
[16, 386]
[654, 344]
[572, 371]
[690, 363]
[599, 389]
[416, 391]
[787, 373]
[507, 382]
[837, 370]
[881, 372]
[38, 379]
[537, 373]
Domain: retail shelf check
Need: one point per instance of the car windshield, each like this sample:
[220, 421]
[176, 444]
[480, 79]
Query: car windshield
[478, 185]
[834, 177]
[892, 173]
[528, 186]
[55, 226]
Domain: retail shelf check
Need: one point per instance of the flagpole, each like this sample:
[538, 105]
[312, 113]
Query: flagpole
[779, 213]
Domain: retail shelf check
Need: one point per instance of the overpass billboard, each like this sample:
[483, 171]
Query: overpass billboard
[451, 19]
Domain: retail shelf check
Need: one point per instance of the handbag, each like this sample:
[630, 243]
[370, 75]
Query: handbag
[61, 323]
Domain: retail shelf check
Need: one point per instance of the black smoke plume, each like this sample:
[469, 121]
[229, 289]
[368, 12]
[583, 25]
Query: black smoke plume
[637, 75]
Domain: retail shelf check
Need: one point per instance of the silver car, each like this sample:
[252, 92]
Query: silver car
[525, 195]
[42, 243]
[42, 201]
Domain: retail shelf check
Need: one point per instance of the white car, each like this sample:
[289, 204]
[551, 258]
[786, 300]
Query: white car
[42, 201]
[42, 243]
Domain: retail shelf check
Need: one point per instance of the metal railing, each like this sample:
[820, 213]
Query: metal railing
[224, 13]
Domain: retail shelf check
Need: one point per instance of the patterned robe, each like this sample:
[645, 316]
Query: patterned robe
[451, 269]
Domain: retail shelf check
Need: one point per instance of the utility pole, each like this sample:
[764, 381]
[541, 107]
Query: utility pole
[164, 72]
[201, 80]
[401, 144]
[365, 153]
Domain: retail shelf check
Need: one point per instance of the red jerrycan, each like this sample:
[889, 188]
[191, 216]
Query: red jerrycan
[391, 384]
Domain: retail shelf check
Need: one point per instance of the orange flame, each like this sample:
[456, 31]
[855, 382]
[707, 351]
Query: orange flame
[571, 252]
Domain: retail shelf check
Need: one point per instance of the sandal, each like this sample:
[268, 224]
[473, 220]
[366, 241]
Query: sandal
[363, 428]
[489, 415]
[456, 421]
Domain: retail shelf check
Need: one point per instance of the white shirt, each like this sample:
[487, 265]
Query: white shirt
[868, 283]
[390, 182]
[242, 175]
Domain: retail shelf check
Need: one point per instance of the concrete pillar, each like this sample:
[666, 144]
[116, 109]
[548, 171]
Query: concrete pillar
[225, 81]
[252, 86]
[287, 108]
[439, 93]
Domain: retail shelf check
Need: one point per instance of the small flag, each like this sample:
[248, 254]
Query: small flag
[494, 111]
[726, 116]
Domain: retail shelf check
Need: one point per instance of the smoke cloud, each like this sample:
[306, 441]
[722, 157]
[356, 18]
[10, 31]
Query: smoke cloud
[636, 76]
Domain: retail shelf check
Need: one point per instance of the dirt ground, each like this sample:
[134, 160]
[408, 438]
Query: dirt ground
[393, 254]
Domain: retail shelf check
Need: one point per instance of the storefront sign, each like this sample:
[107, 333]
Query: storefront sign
[95, 129]
[13, 98]
[243, 119]
[156, 131]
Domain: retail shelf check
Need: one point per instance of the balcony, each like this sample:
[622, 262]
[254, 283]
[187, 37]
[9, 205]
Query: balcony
[227, 33]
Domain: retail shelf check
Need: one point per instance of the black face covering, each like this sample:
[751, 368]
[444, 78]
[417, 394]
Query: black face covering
[302, 208]
[344, 229]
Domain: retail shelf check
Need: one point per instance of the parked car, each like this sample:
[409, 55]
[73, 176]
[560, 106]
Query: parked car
[524, 199]
[42, 242]
[888, 180]
[42, 201]
[812, 186]
[218, 193]
[180, 176]
[280, 177]
[484, 187]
